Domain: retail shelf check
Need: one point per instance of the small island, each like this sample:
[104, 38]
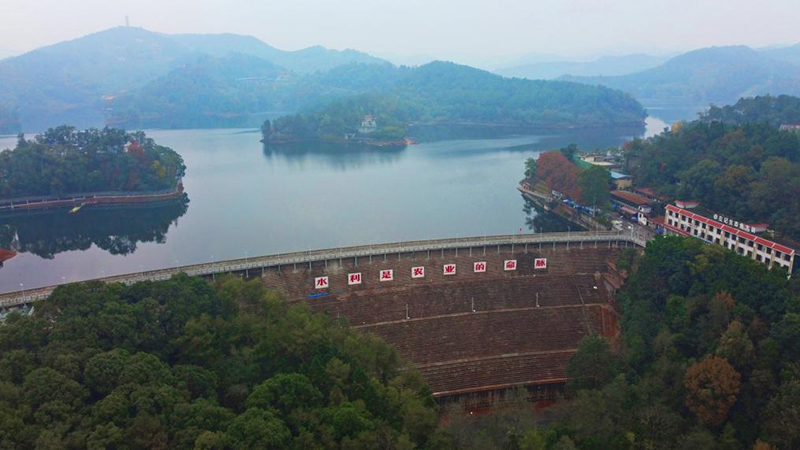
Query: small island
[446, 94]
[64, 167]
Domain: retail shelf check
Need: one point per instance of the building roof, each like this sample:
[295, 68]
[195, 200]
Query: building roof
[631, 197]
[649, 192]
[734, 231]
[619, 176]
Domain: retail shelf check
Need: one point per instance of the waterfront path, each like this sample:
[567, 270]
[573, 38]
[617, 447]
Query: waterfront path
[257, 266]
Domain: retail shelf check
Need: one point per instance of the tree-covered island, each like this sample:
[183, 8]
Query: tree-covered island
[442, 93]
[64, 161]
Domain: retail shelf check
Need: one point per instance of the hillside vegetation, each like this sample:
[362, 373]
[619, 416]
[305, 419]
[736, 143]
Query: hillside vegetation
[751, 171]
[709, 75]
[442, 92]
[181, 364]
[65, 161]
[775, 111]
[79, 81]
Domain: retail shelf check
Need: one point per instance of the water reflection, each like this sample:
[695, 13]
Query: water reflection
[537, 220]
[335, 156]
[115, 229]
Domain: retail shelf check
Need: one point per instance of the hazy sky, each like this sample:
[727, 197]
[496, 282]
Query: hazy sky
[497, 28]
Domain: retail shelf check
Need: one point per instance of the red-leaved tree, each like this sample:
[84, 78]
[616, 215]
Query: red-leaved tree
[558, 173]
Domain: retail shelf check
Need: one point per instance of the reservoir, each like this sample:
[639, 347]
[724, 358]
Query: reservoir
[245, 199]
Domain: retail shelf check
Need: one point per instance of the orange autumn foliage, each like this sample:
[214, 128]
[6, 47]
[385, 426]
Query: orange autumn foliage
[558, 173]
[711, 389]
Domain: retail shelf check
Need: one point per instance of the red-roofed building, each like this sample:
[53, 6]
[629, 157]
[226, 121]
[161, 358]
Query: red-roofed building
[630, 201]
[731, 235]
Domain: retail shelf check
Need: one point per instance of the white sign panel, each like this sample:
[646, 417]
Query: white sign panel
[321, 282]
[449, 269]
[510, 264]
[540, 263]
[387, 275]
[418, 272]
[479, 267]
[353, 278]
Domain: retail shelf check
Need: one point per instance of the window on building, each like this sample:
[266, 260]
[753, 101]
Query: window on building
[786, 257]
[760, 247]
[758, 258]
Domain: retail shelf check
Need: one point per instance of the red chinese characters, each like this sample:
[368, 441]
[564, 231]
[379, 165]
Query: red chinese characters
[540, 263]
[510, 264]
[387, 275]
[353, 278]
[321, 283]
[449, 269]
[479, 267]
[418, 272]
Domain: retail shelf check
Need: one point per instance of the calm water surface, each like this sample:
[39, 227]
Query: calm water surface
[247, 200]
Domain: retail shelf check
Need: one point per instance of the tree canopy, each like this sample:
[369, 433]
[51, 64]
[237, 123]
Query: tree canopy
[750, 172]
[441, 92]
[184, 364]
[66, 161]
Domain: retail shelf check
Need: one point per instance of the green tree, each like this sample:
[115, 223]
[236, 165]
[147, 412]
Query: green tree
[594, 183]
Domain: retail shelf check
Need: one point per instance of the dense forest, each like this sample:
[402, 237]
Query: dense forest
[708, 358]
[66, 161]
[183, 364]
[442, 92]
[776, 111]
[751, 171]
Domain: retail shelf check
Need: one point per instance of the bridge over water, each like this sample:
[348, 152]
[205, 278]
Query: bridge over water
[258, 266]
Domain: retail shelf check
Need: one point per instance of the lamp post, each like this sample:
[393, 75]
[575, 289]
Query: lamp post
[569, 230]
[22, 287]
[246, 269]
[213, 274]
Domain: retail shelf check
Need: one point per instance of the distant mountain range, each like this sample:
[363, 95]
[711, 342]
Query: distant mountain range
[607, 65]
[74, 81]
[711, 75]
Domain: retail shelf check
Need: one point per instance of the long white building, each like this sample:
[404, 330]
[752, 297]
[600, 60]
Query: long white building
[731, 235]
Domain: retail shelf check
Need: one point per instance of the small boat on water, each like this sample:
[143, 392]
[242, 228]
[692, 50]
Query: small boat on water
[76, 208]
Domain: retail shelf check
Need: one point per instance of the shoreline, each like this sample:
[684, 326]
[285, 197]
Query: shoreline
[90, 199]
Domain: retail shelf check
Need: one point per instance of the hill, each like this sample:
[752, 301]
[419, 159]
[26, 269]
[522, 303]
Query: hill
[708, 75]
[447, 93]
[65, 82]
[790, 54]
[750, 171]
[210, 92]
[307, 60]
[606, 65]
[72, 81]
[775, 111]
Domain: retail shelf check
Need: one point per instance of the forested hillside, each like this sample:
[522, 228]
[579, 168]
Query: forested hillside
[80, 81]
[709, 75]
[751, 171]
[775, 111]
[442, 92]
[182, 364]
[65, 161]
[212, 92]
[711, 356]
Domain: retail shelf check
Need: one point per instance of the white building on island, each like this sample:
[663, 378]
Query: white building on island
[368, 124]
